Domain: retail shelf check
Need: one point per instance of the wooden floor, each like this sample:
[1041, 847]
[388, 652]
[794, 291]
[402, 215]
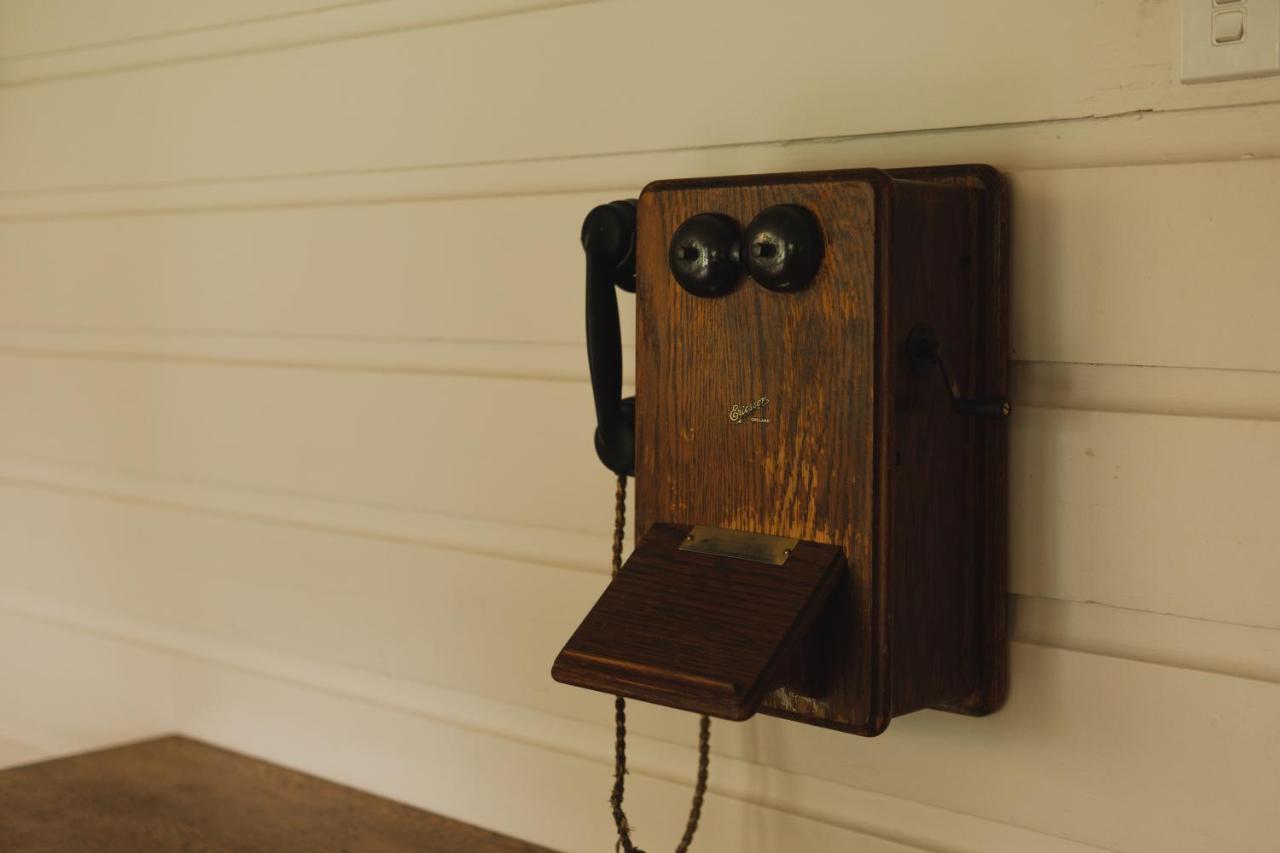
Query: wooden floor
[174, 793]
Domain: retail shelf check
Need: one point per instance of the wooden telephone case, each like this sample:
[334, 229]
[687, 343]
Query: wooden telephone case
[893, 597]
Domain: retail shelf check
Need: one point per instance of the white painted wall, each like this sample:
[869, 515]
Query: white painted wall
[293, 460]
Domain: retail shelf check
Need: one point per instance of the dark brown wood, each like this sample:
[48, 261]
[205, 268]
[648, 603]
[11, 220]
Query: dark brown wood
[710, 634]
[858, 450]
[810, 472]
[174, 794]
[987, 359]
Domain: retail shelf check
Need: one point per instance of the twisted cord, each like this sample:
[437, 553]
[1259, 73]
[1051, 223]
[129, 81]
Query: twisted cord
[620, 718]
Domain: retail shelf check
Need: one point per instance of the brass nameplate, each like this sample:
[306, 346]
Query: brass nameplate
[757, 547]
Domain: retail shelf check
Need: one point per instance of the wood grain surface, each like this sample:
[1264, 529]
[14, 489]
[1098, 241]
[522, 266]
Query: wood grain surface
[809, 472]
[174, 793]
[704, 633]
[973, 316]
[853, 447]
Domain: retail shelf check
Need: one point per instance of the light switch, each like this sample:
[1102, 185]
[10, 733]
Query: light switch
[1228, 27]
[1229, 39]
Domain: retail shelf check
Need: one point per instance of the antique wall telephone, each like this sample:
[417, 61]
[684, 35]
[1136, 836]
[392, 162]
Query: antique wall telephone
[820, 520]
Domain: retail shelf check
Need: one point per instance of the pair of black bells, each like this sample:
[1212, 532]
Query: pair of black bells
[781, 250]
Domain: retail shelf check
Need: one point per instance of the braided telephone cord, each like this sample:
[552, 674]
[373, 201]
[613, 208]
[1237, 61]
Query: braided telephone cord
[620, 715]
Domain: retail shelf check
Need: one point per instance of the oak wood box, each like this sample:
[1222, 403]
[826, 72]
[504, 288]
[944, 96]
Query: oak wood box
[801, 415]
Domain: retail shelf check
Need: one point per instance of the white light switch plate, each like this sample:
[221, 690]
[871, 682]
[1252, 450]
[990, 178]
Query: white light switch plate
[1255, 55]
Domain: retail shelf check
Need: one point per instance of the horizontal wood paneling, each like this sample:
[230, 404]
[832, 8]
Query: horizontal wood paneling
[431, 270]
[420, 271]
[296, 449]
[488, 449]
[527, 543]
[218, 562]
[1160, 513]
[389, 606]
[478, 92]
[159, 34]
[1193, 135]
[1193, 392]
[37, 27]
[1125, 509]
[1150, 265]
[558, 362]
[1149, 798]
[66, 692]
[1240, 650]
[381, 734]
[89, 527]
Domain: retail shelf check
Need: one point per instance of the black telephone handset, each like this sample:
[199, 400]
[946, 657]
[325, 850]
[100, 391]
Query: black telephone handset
[609, 241]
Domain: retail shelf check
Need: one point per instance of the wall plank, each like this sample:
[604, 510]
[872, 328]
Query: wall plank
[1193, 392]
[42, 26]
[381, 736]
[428, 270]
[452, 95]
[441, 444]
[387, 271]
[1240, 650]
[400, 609]
[1126, 509]
[1054, 717]
[132, 546]
[1147, 512]
[118, 693]
[1151, 265]
[291, 582]
[1192, 135]
[66, 39]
